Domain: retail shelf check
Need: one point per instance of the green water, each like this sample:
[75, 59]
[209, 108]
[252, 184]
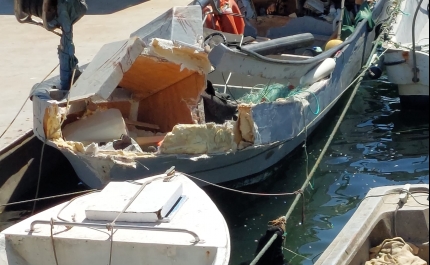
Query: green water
[376, 145]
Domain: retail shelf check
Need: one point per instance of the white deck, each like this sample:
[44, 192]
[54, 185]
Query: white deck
[28, 53]
[81, 245]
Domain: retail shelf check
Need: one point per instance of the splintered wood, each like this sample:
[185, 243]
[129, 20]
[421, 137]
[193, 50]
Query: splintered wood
[150, 75]
[244, 127]
[171, 106]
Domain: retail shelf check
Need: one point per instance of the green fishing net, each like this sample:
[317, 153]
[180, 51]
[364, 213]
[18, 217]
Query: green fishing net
[263, 93]
[364, 13]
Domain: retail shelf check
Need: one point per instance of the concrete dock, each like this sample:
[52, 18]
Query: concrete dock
[28, 53]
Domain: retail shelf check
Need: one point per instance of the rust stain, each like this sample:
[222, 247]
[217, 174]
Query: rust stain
[405, 55]
[208, 253]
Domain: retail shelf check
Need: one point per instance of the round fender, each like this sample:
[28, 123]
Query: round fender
[319, 72]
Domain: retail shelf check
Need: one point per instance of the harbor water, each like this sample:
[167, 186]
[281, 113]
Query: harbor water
[377, 144]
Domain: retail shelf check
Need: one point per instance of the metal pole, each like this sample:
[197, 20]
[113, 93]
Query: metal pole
[106, 226]
[339, 31]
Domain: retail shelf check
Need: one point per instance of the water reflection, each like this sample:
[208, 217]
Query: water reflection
[377, 144]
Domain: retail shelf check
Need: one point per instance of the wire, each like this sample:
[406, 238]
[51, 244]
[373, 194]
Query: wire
[52, 241]
[38, 179]
[46, 198]
[242, 192]
[296, 254]
[226, 86]
[44, 143]
[16, 116]
[70, 202]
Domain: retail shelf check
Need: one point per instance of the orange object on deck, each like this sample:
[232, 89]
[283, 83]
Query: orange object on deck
[230, 21]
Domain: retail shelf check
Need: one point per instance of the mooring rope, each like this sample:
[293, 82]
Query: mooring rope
[47, 198]
[44, 142]
[19, 111]
[240, 191]
[52, 241]
[39, 178]
[356, 81]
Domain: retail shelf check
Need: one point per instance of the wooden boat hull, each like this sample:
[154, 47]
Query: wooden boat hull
[280, 126]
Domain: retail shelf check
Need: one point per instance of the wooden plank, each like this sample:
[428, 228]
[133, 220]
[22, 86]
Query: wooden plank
[170, 106]
[149, 75]
[146, 140]
[106, 70]
[142, 124]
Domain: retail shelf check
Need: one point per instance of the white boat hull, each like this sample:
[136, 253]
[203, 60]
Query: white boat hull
[378, 218]
[81, 244]
[399, 58]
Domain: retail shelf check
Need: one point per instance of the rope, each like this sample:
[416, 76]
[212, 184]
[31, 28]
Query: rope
[38, 179]
[296, 254]
[327, 145]
[112, 224]
[70, 202]
[47, 198]
[169, 174]
[242, 192]
[331, 137]
[111, 247]
[68, 99]
[16, 116]
[52, 241]
[44, 143]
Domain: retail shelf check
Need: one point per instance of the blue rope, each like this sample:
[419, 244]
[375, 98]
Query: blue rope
[318, 104]
[298, 91]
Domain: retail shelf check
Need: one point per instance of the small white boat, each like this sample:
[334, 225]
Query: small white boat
[407, 52]
[391, 219]
[169, 220]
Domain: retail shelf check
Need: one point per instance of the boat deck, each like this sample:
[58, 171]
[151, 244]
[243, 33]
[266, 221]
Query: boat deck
[196, 213]
[29, 53]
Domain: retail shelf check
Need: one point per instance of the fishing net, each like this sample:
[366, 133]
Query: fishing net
[263, 93]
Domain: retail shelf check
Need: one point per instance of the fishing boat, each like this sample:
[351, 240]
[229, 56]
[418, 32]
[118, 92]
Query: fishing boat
[220, 103]
[391, 226]
[407, 58]
[164, 219]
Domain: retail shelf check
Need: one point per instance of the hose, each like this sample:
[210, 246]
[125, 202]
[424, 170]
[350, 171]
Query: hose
[415, 79]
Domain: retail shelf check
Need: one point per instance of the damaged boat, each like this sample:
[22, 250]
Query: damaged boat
[391, 226]
[149, 221]
[220, 110]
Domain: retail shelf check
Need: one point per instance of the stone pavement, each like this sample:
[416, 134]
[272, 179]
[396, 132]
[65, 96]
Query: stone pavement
[28, 53]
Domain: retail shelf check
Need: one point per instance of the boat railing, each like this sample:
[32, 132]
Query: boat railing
[110, 226]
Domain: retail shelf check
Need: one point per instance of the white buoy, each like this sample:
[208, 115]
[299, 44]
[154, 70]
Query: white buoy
[319, 72]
